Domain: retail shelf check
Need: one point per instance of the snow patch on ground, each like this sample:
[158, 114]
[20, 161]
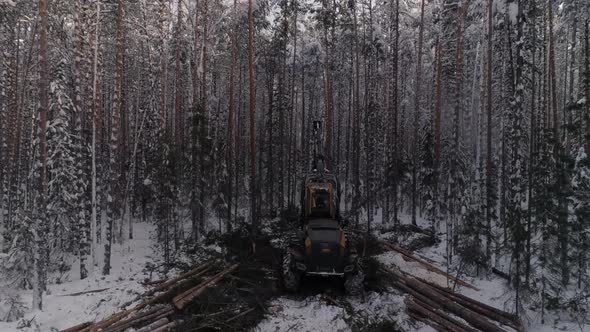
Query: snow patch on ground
[315, 314]
[310, 314]
[380, 307]
[61, 310]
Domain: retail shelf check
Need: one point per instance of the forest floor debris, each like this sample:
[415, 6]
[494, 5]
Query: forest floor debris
[250, 297]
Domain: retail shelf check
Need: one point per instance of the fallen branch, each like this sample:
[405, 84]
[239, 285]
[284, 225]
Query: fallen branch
[500, 274]
[86, 292]
[152, 282]
[243, 313]
[331, 300]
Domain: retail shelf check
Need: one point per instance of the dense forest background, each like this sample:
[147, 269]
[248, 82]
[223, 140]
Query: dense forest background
[196, 115]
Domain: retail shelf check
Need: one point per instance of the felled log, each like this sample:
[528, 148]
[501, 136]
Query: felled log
[78, 327]
[148, 316]
[168, 327]
[503, 317]
[477, 320]
[154, 325]
[194, 273]
[186, 275]
[426, 265]
[167, 293]
[440, 318]
[418, 295]
[427, 321]
[186, 297]
[108, 321]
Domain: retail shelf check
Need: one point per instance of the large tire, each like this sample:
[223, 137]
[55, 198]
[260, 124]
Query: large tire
[291, 278]
[353, 282]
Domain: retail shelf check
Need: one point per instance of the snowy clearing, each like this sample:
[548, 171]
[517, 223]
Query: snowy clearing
[64, 310]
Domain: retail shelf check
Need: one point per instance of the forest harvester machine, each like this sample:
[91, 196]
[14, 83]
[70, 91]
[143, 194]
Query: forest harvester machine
[321, 246]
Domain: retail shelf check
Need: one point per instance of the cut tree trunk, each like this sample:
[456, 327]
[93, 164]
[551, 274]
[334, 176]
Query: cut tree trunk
[155, 325]
[473, 318]
[479, 307]
[180, 301]
[438, 317]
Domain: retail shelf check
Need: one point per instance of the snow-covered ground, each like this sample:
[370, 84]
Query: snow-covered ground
[62, 310]
[315, 313]
[310, 314]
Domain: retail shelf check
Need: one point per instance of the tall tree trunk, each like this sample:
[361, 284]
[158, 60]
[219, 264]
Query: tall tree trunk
[93, 214]
[563, 229]
[587, 69]
[356, 129]
[569, 119]
[41, 254]
[204, 124]
[78, 140]
[395, 103]
[532, 158]
[437, 131]
[114, 211]
[230, 118]
[253, 182]
[489, 199]
[417, 96]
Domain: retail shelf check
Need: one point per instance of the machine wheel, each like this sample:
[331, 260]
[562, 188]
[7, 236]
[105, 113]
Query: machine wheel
[291, 278]
[353, 282]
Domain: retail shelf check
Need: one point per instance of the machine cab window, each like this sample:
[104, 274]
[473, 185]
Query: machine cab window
[320, 201]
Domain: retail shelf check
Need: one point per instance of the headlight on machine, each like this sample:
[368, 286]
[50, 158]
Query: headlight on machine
[307, 246]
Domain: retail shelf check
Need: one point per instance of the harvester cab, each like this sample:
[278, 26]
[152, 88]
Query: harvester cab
[321, 247]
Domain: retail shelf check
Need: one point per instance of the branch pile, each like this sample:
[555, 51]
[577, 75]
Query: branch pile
[158, 318]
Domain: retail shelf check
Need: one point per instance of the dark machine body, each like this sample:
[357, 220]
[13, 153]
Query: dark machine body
[321, 246]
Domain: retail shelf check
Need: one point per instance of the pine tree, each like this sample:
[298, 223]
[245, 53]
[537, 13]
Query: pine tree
[114, 209]
[63, 193]
[41, 227]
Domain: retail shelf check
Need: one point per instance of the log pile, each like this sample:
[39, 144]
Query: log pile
[151, 316]
[445, 310]
[409, 256]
